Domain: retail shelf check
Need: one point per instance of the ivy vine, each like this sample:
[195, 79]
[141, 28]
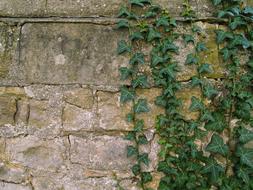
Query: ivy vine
[226, 162]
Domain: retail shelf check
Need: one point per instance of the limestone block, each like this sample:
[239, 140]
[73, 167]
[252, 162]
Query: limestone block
[71, 53]
[35, 153]
[12, 186]
[77, 119]
[111, 113]
[100, 152]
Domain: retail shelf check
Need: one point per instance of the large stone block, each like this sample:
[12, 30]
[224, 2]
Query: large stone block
[12, 186]
[22, 7]
[100, 152]
[112, 115]
[36, 153]
[70, 53]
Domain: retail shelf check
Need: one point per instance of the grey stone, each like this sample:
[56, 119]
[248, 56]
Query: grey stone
[71, 53]
[12, 173]
[12, 186]
[100, 152]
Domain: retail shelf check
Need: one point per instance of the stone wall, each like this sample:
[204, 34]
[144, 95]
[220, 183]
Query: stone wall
[61, 122]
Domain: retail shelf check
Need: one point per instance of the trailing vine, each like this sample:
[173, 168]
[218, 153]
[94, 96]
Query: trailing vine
[225, 121]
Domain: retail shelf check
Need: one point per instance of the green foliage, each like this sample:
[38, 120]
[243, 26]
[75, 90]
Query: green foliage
[224, 108]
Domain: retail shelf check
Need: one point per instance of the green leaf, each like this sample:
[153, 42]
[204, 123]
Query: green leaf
[214, 169]
[244, 175]
[245, 135]
[143, 158]
[140, 81]
[205, 68]
[126, 95]
[160, 101]
[139, 125]
[125, 73]
[218, 124]
[136, 36]
[248, 10]
[140, 3]
[217, 145]
[236, 22]
[216, 2]
[122, 24]
[207, 116]
[152, 35]
[146, 177]
[222, 35]
[201, 47]
[141, 106]
[246, 156]
[142, 139]
[210, 91]
[196, 104]
[136, 169]
[195, 81]
[162, 21]
[188, 38]
[168, 45]
[131, 151]
[155, 60]
[130, 136]
[239, 40]
[129, 117]
[123, 12]
[191, 59]
[123, 47]
[137, 58]
[170, 71]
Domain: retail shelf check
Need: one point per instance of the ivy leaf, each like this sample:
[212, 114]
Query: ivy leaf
[227, 53]
[243, 174]
[136, 2]
[207, 116]
[130, 136]
[217, 145]
[160, 101]
[196, 104]
[168, 45]
[155, 60]
[125, 73]
[222, 35]
[152, 35]
[126, 95]
[122, 24]
[210, 91]
[239, 40]
[131, 151]
[205, 68]
[248, 10]
[141, 106]
[137, 58]
[140, 81]
[139, 125]
[216, 2]
[123, 12]
[146, 177]
[123, 47]
[214, 169]
[201, 47]
[195, 81]
[188, 38]
[191, 59]
[136, 169]
[218, 124]
[169, 71]
[142, 139]
[236, 22]
[136, 36]
[246, 156]
[245, 135]
[129, 117]
[162, 21]
[144, 159]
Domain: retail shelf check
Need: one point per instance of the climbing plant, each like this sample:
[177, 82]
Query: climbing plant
[224, 107]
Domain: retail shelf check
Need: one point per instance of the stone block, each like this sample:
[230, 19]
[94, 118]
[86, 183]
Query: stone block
[12, 186]
[111, 113]
[71, 53]
[100, 152]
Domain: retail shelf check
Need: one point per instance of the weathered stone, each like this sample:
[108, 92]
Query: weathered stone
[22, 7]
[100, 152]
[7, 109]
[80, 97]
[42, 114]
[12, 173]
[36, 153]
[150, 117]
[12, 186]
[84, 8]
[112, 115]
[87, 51]
[77, 119]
